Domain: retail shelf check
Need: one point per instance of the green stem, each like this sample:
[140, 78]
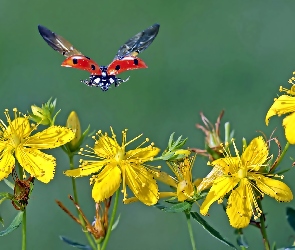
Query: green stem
[190, 230]
[24, 229]
[24, 221]
[109, 231]
[282, 156]
[92, 244]
[240, 231]
[263, 228]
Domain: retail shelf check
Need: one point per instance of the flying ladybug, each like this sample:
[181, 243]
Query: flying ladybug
[103, 76]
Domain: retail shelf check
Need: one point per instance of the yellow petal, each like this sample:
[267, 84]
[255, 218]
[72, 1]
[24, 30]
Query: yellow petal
[289, 125]
[106, 147]
[87, 168]
[20, 127]
[210, 178]
[142, 184]
[4, 145]
[274, 188]
[144, 154]
[219, 189]
[37, 163]
[255, 154]
[7, 162]
[164, 177]
[239, 205]
[227, 164]
[185, 190]
[282, 105]
[51, 137]
[106, 183]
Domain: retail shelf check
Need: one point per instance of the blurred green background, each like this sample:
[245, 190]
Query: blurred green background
[208, 56]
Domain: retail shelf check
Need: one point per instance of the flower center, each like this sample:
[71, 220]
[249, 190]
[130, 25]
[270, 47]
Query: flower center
[242, 173]
[120, 155]
[15, 140]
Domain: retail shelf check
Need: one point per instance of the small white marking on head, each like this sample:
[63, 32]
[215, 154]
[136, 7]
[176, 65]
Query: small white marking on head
[103, 74]
[112, 80]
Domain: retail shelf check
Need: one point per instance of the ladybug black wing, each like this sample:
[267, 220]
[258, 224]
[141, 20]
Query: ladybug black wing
[57, 42]
[138, 43]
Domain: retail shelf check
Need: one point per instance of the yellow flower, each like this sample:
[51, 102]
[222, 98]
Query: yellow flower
[243, 179]
[285, 104]
[17, 142]
[182, 181]
[115, 164]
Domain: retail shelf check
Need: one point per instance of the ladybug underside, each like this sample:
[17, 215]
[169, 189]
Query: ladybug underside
[104, 81]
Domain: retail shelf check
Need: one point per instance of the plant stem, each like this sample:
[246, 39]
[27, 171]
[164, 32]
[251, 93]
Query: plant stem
[263, 228]
[24, 220]
[190, 230]
[92, 244]
[282, 156]
[24, 230]
[109, 231]
[240, 231]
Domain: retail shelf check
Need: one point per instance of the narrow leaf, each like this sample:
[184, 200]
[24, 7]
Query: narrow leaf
[159, 206]
[9, 184]
[74, 244]
[14, 224]
[242, 241]
[170, 140]
[116, 222]
[210, 229]
[1, 221]
[290, 212]
[179, 207]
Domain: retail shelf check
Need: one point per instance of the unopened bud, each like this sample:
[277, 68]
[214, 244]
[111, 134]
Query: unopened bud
[74, 123]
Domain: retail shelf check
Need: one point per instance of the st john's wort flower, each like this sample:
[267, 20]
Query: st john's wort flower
[18, 142]
[115, 164]
[243, 178]
[285, 104]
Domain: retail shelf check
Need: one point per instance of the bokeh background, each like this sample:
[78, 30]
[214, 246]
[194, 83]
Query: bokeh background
[209, 55]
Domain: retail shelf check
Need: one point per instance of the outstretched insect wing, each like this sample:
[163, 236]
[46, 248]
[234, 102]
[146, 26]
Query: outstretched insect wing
[138, 43]
[83, 63]
[57, 42]
[127, 63]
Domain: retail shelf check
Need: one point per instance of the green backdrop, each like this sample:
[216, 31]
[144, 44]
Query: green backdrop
[208, 56]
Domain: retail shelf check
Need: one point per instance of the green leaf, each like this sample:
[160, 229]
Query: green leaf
[274, 246]
[242, 241]
[159, 206]
[116, 222]
[210, 229]
[290, 212]
[283, 171]
[1, 221]
[74, 244]
[170, 140]
[9, 184]
[14, 224]
[180, 207]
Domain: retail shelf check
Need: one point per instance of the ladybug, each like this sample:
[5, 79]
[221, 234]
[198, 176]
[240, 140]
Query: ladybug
[103, 76]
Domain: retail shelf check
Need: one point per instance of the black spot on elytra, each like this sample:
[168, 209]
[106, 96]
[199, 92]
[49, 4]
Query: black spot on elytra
[135, 61]
[92, 67]
[75, 61]
[117, 67]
